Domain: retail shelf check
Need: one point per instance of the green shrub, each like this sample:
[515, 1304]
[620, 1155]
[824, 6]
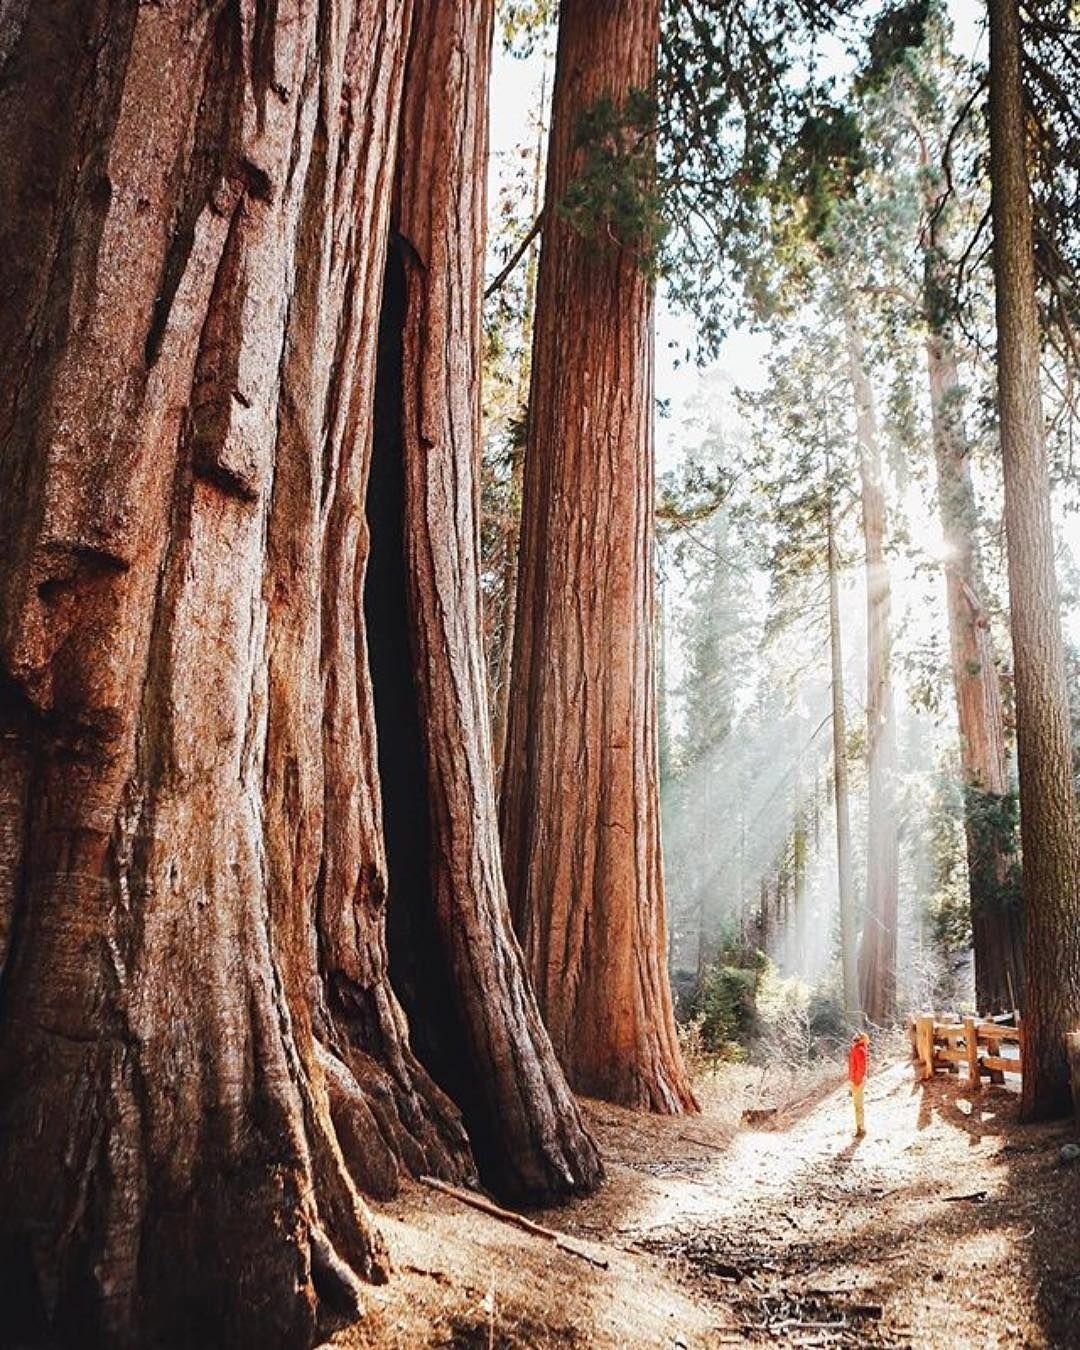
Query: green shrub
[725, 1003]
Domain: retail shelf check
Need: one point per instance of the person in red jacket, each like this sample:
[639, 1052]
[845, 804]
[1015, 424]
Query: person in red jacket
[857, 1063]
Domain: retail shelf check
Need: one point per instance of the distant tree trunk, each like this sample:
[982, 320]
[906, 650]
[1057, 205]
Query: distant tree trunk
[663, 723]
[996, 920]
[848, 936]
[508, 587]
[462, 976]
[796, 944]
[877, 953]
[703, 870]
[506, 602]
[1050, 830]
[579, 805]
[200, 1051]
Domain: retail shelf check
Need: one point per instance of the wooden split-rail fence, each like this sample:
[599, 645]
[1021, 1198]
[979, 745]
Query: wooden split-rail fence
[985, 1048]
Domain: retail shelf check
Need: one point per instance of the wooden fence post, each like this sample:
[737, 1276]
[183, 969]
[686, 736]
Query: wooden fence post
[924, 1033]
[971, 1045]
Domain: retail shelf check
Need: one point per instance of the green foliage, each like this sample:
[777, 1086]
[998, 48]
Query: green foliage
[994, 822]
[948, 905]
[737, 1009]
[614, 196]
[690, 494]
[725, 1005]
[524, 23]
[892, 36]
[799, 1023]
[734, 82]
[1051, 60]
[711, 635]
[827, 1016]
[821, 168]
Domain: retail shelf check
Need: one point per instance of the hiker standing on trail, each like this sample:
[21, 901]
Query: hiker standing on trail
[858, 1060]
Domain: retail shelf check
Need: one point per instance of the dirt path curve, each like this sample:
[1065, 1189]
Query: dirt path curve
[949, 1225]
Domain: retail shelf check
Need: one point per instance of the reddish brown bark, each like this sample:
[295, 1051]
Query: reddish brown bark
[483, 1034]
[1050, 830]
[200, 1051]
[877, 951]
[507, 599]
[184, 352]
[579, 804]
[996, 920]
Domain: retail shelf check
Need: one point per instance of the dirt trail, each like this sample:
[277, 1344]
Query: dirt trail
[949, 1225]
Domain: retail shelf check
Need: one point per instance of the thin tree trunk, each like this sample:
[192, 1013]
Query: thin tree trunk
[877, 953]
[848, 940]
[796, 942]
[996, 920]
[508, 586]
[579, 806]
[704, 870]
[466, 990]
[1050, 830]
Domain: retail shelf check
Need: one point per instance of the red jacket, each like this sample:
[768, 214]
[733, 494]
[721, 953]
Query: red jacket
[858, 1057]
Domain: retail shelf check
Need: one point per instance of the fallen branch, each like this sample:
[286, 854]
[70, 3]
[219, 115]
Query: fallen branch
[698, 1139]
[495, 1211]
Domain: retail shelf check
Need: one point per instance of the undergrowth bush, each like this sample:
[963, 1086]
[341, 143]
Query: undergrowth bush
[724, 1007]
[743, 1009]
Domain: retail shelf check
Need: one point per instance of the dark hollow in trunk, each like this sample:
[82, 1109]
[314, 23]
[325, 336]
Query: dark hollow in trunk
[418, 968]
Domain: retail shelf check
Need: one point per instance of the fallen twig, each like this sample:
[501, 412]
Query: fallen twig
[697, 1139]
[489, 1207]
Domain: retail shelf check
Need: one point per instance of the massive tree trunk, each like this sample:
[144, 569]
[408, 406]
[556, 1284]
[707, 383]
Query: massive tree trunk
[877, 952]
[579, 803]
[845, 885]
[200, 1052]
[996, 919]
[1050, 830]
[462, 978]
[996, 912]
[181, 395]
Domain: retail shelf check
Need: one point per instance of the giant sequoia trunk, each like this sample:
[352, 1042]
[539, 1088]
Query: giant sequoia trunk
[477, 1025]
[877, 951]
[579, 801]
[200, 1052]
[996, 923]
[1050, 830]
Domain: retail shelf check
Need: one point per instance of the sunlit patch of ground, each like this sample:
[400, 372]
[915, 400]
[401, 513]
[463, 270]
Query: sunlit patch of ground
[949, 1225]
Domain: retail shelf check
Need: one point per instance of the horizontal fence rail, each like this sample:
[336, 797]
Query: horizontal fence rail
[984, 1048]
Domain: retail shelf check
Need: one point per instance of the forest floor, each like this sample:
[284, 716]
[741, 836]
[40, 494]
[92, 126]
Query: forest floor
[948, 1225]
